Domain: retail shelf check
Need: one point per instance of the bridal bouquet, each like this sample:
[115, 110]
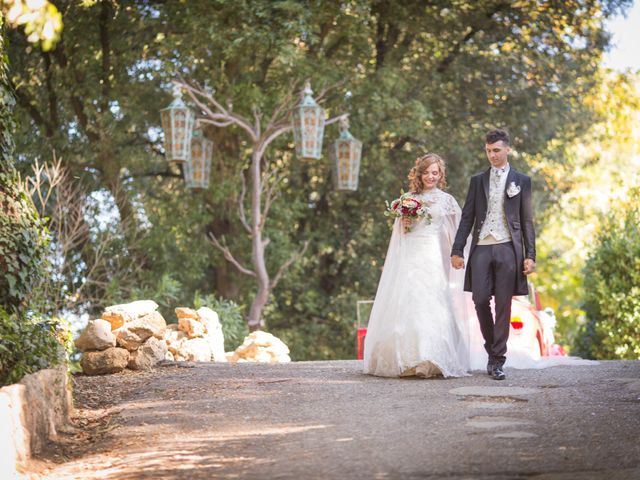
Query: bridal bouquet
[408, 207]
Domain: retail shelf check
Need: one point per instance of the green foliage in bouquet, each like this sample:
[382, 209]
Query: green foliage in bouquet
[612, 287]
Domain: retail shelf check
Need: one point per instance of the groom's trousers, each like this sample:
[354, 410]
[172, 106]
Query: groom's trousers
[493, 273]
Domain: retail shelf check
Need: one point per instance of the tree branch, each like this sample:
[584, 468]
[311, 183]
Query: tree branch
[224, 114]
[25, 102]
[103, 20]
[470, 33]
[336, 119]
[229, 256]
[76, 102]
[295, 257]
[257, 120]
[164, 173]
[286, 105]
[243, 191]
[207, 121]
[51, 92]
[320, 97]
[270, 195]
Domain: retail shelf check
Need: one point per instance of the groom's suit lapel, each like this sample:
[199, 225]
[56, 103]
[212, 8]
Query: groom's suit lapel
[485, 183]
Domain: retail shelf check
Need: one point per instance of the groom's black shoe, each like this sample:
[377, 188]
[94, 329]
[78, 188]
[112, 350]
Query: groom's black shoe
[490, 368]
[498, 373]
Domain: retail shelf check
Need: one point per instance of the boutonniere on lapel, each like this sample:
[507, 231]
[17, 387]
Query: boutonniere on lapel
[513, 189]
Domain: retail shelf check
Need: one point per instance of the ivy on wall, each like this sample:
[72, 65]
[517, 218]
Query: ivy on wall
[22, 236]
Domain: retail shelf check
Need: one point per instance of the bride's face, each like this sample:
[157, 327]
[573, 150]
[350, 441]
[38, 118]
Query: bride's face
[431, 176]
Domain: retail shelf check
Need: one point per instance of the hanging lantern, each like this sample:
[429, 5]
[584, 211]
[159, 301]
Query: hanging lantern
[198, 168]
[345, 155]
[177, 123]
[308, 126]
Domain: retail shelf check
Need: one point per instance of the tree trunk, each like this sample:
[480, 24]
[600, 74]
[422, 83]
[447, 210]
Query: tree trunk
[258, 245]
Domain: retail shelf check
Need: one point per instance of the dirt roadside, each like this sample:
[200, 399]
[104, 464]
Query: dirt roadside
[328, 420]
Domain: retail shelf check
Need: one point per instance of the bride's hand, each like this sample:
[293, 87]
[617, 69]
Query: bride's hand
[406, 223]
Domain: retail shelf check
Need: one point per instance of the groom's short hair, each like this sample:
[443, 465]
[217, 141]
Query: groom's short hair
[496, 135]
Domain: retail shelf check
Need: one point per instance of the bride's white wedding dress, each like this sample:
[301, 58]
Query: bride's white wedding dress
[418, 325]
[422, 322]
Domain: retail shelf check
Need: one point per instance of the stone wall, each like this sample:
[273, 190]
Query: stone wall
[31, 412]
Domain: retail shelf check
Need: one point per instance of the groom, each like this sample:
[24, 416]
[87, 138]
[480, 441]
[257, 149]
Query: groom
[498, 209]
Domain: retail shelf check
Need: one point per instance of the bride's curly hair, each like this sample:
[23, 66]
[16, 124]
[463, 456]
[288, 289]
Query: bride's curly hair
[421, 165]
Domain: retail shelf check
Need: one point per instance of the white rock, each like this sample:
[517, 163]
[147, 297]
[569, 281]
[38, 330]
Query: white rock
[148, 355]
[115, 319]
[184, 312]
[262, 339]
[191, 327]
[96, 336]
[232, 357]
[133, 334]
[120, 314]
[175, 341]
[194, 349]
[263, 357]
[262, 347]
[210, 319]
[214, 333]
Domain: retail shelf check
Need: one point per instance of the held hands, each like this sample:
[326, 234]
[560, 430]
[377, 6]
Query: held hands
[529, 266]
[406, 224]
[457, 262]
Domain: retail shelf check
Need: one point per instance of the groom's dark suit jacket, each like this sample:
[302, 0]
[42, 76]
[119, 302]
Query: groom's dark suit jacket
[519, 213]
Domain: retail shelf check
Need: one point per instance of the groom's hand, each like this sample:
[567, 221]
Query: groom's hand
[529, 266]
[457, 262]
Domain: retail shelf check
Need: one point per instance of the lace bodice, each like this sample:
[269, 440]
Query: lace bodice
[443, 208]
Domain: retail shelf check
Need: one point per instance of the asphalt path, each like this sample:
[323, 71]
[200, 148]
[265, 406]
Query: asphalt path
[326, 420]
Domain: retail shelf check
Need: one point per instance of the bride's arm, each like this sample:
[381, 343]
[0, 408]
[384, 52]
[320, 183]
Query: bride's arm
[452, 215]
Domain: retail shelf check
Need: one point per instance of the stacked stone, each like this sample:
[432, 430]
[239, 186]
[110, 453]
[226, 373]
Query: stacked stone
[128, 335]
[261, 347]
[196, 337]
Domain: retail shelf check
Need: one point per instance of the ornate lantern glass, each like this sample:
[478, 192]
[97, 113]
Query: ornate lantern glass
[198, 168]
[308, 126]
[177, 123]
[345, 155]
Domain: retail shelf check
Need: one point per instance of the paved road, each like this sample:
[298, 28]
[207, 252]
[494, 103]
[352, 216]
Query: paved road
[326, 420]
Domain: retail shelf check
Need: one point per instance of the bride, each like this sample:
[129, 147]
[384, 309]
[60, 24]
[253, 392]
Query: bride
[418, 325]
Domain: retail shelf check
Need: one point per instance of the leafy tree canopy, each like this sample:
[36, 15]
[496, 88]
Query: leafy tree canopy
[415, 76]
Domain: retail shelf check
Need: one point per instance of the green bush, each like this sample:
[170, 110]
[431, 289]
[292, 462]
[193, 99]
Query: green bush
[30, 344]
[612, 287]
[233, 325]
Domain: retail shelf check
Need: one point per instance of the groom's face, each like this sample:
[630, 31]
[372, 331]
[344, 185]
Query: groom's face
[497, 153]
